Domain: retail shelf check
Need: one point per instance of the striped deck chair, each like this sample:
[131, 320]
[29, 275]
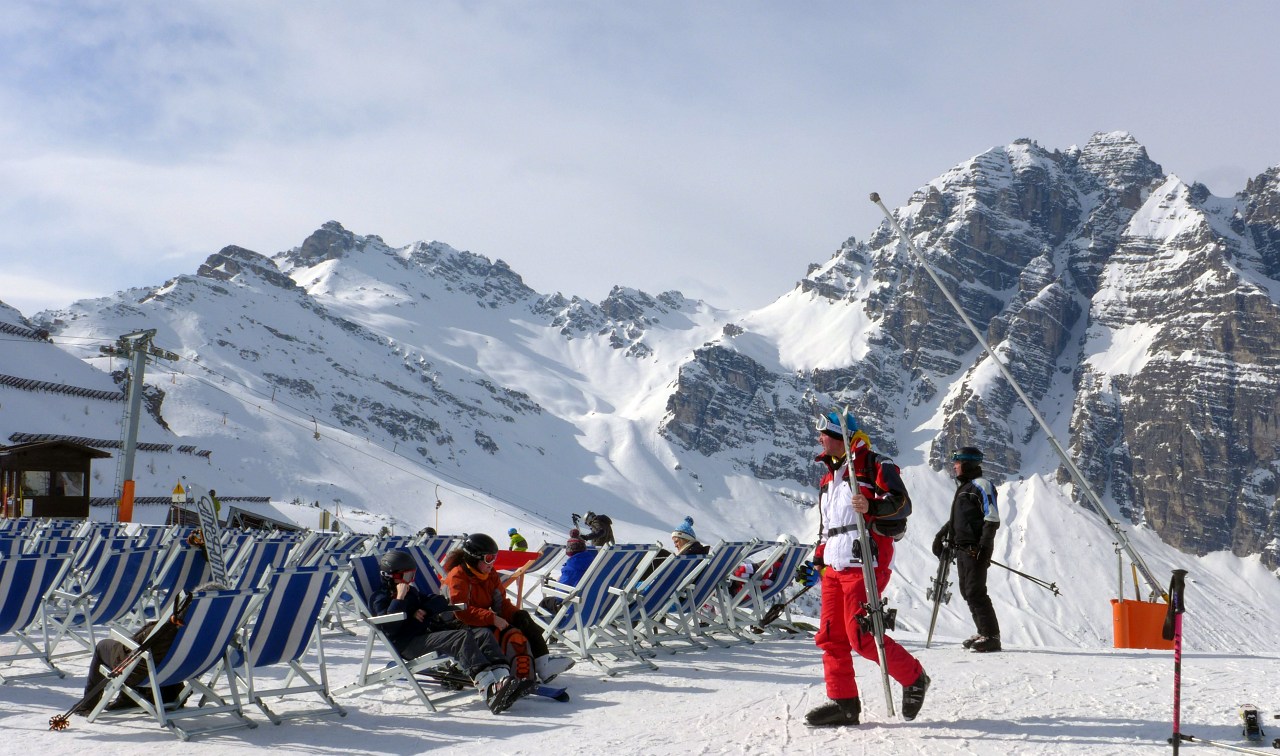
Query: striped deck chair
[285, 631]
[645, 619]
[24, 581]
[200, 645]
[429, 554]
[364, 581]
[181, 569]
[112, 592]
[746, 608]
[575, 624]
[540, 569]
[700, 614]
[257, 558]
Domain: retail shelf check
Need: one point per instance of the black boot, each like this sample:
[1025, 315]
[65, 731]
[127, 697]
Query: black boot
[968, 642]
[913, 696]
[839, 712]
[986, 644]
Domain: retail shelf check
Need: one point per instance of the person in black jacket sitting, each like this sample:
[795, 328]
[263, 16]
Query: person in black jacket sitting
[429, 626]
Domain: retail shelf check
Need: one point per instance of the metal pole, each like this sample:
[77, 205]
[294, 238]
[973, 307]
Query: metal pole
[1076, 475]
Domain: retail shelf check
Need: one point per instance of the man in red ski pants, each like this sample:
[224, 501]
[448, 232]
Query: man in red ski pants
[877, 492]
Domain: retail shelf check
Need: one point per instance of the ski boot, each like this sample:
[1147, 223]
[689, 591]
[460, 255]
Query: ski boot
[985, 644]
[549, 667]
[499, 688]
[839, 712]
[968, 642]
[913, 696]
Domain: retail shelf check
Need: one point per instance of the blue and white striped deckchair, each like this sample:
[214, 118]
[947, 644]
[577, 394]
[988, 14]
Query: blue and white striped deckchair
[257, 558]
[700, 613]
[363, 583]
[114, 589]
[182, 569]
[199, 646]
[588, 603]
[644, 616]
[286, 629]
[429, 555]
[540, 568]
[746, 608]
[24, 581]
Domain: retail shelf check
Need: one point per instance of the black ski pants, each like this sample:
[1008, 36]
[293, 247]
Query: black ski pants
[973, 587]
[473, 648]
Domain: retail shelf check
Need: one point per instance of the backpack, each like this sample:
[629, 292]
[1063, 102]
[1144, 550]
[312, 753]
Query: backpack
[894, 525]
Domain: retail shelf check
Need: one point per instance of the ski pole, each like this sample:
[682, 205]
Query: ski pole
[1173, 631]
[63, 721]
[1045, 584]
[1228, 746]
[775, 610]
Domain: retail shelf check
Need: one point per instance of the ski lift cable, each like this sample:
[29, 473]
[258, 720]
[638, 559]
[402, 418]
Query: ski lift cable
[1156, 588]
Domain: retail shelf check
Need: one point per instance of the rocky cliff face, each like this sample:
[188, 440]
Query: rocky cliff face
[1141, 316]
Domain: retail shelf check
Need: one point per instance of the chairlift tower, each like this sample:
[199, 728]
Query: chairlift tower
[135, 347]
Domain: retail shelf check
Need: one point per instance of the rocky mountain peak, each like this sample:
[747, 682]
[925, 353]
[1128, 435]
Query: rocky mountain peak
[232, 261]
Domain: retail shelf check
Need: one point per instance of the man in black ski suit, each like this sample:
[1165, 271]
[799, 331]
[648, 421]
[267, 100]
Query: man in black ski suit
[429, 625]
[971, 530]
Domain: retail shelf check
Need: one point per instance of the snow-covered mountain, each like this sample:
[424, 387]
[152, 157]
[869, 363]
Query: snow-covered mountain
[1142, 316]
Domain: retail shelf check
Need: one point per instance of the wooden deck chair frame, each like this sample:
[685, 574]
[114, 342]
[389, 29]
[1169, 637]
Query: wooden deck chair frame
[201, 645]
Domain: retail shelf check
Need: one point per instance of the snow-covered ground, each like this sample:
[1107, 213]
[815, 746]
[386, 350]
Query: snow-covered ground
[743, 700]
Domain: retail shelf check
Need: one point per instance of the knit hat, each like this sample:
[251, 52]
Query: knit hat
[685, 530]
[576, 545]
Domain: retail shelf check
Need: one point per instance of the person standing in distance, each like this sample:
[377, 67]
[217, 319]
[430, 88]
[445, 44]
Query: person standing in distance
[876, 491]
[971, 530]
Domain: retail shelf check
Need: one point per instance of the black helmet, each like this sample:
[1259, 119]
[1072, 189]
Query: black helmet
[396, 561]
[967, 454]
[479, 545]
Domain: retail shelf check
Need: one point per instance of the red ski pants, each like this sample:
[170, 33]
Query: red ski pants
[843, 594]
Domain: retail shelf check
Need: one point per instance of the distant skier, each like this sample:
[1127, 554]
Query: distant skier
[880, 494]
[971, 530]
[518, 543]
[601, 529]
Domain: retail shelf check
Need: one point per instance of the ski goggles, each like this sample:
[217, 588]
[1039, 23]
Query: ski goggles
[824, 424]
[404, 576]
[490, 558]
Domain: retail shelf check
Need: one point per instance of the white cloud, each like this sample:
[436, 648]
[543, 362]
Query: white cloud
[716, 148]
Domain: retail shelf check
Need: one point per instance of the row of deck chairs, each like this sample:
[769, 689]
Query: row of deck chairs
[621, 614]
[288, 590]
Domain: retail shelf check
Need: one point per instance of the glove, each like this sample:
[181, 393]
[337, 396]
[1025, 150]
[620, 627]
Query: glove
[575, 519]
[807, 574]
[938, 545]
[984, 553]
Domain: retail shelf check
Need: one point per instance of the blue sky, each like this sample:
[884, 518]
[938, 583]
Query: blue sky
[712, 147]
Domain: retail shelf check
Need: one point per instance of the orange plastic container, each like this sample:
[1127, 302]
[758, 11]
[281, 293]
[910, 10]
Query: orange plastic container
[1139, 624]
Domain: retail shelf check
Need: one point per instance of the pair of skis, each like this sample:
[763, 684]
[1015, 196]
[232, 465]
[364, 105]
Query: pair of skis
[877, 617]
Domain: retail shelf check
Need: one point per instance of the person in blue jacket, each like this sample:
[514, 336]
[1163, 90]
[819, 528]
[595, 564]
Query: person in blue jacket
[572, 570]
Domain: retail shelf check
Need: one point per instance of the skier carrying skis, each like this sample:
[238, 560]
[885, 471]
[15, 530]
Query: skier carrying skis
[880, 492]
[971, 530]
